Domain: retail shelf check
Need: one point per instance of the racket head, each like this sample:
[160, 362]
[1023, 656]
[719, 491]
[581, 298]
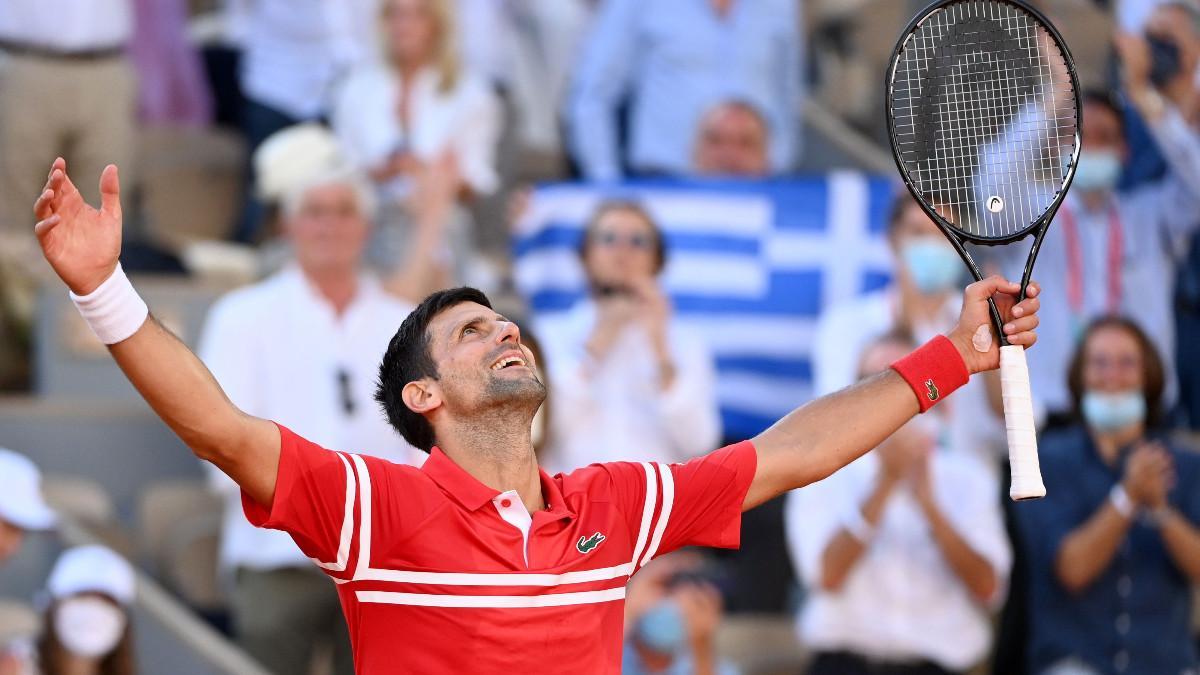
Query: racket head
[983, 115]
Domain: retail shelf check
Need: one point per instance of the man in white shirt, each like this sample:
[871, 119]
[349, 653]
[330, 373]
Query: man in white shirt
[323, 312]
[66, 88]
[903, 553]
[624, 373]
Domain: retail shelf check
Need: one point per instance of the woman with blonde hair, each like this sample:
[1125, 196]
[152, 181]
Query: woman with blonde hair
[416, 111]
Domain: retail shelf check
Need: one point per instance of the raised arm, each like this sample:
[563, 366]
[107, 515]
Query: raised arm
[83, 245]
[824, 435]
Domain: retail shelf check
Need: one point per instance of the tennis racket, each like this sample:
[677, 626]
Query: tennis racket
[984, 121]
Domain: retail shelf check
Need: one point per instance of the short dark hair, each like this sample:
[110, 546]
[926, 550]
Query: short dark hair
[1106, 99]
[609, 206]
[1154, 377]
[407, 359]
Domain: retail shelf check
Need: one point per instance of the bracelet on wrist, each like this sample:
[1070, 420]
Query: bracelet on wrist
[1120, 500]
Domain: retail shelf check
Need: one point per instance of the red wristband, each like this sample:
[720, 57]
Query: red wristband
[933, 371]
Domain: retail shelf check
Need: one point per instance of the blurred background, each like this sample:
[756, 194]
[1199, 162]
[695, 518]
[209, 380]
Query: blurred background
[692, 207]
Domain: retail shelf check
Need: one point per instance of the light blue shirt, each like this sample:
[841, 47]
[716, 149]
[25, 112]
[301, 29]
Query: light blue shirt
[676, 59]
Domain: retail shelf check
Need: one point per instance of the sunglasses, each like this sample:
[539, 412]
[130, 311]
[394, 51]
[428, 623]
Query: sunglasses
[1120, 363]
[642, 242]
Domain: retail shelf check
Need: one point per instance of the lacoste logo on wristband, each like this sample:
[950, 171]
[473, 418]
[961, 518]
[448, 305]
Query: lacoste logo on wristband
[588, 544]
[932, 388]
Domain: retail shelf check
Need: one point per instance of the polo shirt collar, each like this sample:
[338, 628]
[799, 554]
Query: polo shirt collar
[472, 494]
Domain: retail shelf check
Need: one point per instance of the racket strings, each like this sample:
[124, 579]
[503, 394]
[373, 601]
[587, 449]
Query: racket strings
[984, 116]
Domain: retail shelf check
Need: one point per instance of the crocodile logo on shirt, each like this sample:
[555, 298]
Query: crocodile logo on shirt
[587, 544]
[933, 391]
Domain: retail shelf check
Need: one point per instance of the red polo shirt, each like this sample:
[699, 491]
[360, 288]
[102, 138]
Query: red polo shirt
[436, 573]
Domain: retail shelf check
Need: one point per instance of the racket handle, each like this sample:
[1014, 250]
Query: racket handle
[1018, 420]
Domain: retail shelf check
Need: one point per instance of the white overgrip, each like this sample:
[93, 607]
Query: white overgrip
[1019, 421]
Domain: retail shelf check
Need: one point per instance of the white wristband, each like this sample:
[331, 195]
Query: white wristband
[1121, 501]
[858, 527]
[114, 311]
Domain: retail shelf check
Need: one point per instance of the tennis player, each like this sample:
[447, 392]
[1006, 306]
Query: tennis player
[479, 561]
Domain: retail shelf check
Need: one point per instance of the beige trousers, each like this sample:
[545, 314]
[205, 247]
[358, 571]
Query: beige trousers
[83, 110]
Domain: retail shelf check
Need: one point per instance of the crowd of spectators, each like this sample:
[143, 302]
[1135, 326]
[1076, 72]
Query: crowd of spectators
[379, 137]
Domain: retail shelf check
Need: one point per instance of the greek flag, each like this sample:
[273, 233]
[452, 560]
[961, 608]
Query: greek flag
[750, 266]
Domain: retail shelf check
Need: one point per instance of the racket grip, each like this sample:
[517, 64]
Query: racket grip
[1018, 420]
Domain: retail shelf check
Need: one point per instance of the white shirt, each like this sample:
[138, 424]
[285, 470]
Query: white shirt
[615, 410]
[901, 600]
[295, 51]
[276, 349]
[466, 118]
[67, 25]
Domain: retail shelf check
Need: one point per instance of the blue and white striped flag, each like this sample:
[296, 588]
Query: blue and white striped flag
[750, 266]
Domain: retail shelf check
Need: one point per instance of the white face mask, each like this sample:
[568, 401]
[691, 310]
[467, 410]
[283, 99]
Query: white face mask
[89, 626]
[1098, 170]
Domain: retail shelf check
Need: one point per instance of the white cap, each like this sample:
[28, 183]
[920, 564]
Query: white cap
[21, 501]
[92, 569]
[294, 160]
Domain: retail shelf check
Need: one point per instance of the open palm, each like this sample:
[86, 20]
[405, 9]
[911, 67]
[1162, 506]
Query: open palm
[81, 243]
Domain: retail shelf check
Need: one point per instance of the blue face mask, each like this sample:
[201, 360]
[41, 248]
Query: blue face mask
[662, 629]
[1098, 170]
[932, 264]
[1109, 412]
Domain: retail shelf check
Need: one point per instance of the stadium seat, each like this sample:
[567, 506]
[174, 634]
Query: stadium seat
[178, 537]
[191, 184]
[190, 561]
[88, 504]
[761, 645]
[82, 498]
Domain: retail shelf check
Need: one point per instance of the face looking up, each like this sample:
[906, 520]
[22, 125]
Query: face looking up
[481, 365]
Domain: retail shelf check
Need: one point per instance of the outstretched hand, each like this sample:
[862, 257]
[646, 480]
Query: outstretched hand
[80, 242]
[974, 335]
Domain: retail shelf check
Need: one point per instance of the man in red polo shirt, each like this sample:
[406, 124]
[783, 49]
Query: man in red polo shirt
[479, 561]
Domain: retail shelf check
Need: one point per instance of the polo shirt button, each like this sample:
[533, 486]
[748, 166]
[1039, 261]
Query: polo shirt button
[506, 503]
[1124, 586]
[1121, 661]
[1123, 623]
